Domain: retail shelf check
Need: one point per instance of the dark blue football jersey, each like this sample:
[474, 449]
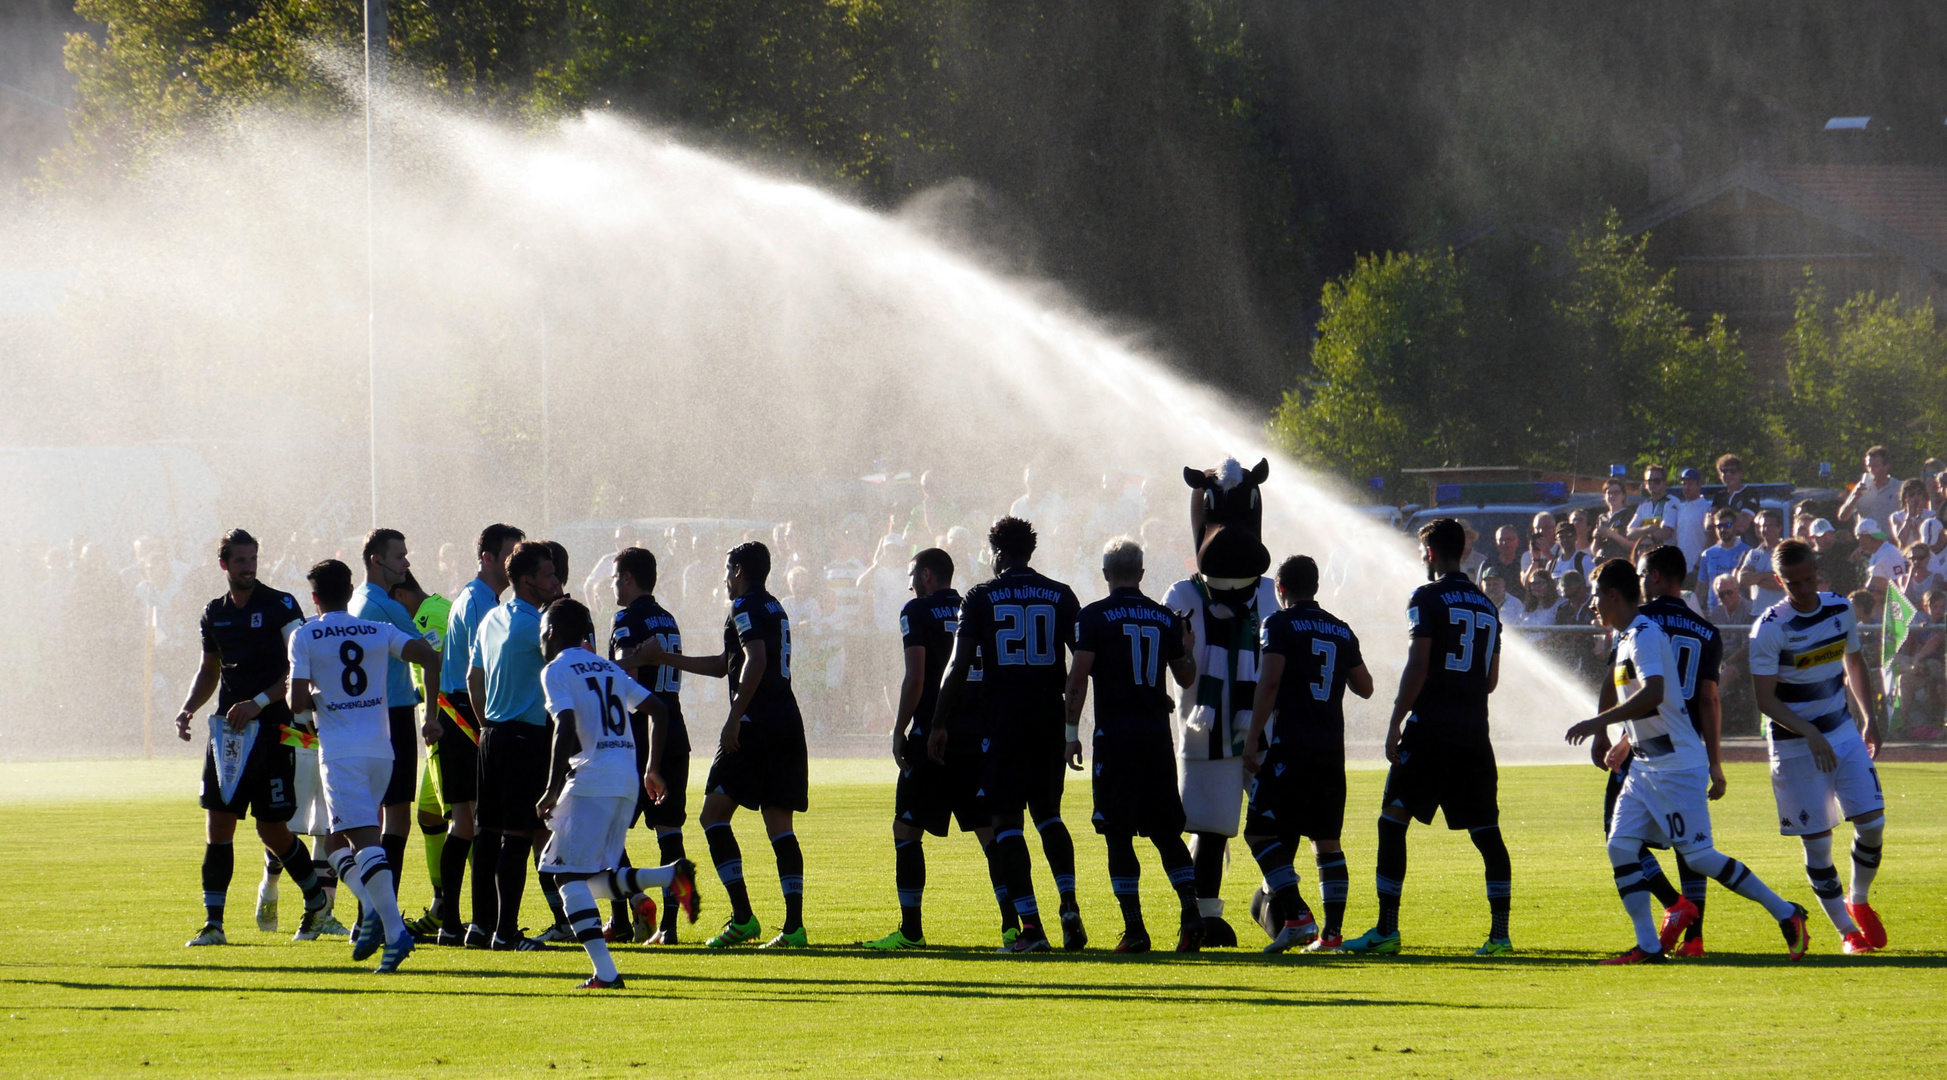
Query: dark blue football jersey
[645, 619]
[1021, 622]
[757, 616]
[1319, 652]
[1133, 639]
[1466, 634]
[928, 622]
[1699, 648]
[250, 641]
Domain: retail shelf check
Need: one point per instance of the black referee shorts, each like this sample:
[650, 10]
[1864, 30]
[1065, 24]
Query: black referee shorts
[459, 754]
[404, 785]
[1296, 794]
[513, 775]
[1460, 781]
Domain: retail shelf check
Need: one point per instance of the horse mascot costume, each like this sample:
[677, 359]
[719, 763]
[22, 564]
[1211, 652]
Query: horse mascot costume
[1224, 602]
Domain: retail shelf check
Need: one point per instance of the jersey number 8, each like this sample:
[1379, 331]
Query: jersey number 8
[353, 679]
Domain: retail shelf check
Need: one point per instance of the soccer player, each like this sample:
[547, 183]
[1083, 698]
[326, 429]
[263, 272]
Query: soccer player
[1806, 668]
[591, 797]
[1441, 755]
[459, 753]
[430, 612]
[386, 565]
[244, 631]
[1019, 623]
[642, 618]
[939, 763]
[1665, 798]
[1310, 658]
[1699, 650]
[333, 660]
[1125, 642]
[761, 761]
[504, 681]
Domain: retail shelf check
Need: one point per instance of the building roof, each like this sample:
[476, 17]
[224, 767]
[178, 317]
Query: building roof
[1898, 208]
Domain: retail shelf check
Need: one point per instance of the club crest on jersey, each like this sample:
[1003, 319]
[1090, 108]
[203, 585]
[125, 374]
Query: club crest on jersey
[256, 620]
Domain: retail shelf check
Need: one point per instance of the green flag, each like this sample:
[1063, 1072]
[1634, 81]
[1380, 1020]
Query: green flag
[1899, 616]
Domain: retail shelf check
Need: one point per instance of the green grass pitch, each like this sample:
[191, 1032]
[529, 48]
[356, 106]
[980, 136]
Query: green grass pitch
[99, 889]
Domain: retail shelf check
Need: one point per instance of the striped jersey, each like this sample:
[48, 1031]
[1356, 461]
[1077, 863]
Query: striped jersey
[1807, 652]
[1665, 740]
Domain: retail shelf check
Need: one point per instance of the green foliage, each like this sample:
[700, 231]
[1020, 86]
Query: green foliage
[1871, 371]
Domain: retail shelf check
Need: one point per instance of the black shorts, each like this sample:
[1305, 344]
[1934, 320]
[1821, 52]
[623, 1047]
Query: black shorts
[966, 795]
[513, 775]
[459, 755]
[771, 767]
[675, 807]
[1025, 769]
[1135, 789]
[266, 789]
[924, 797]
[1461, 781]
[404, 785]
[1296, 794]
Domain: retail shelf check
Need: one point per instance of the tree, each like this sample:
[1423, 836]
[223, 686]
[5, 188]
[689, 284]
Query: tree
[1869, 372]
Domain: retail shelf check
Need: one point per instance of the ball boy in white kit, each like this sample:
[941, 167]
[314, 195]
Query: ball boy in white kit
[591, 796]
[338, 670]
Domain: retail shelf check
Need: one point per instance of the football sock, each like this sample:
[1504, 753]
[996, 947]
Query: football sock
[1125, 879]
[670, 845]
[1182, 872]
[1658, 882]
[585, 919]
[1207, 855]
[730, 868]
[395, 856]
[1390, 873]
[321, 869]
[997, 877]
[1696, 888]
[272, 868]
[435, 847]
[1635, 894]
[1274, 862]
[345, 861]
[1866, 842]
[790, 878]
[219, 865]
[628, 881]
[1738, 878]
[486, 880]
[909, 877]
[452, 875]
[618, 906]
[1500, 875]
[1825, 882]
[550, 889]
[298, 859]
[374, 869]
[1334, 882]
[1059, 847]
[1013, 851]
[510, 881]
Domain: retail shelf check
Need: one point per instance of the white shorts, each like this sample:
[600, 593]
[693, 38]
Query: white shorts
[311, 818]
[1810, 801]
[1213, 795]
[353, 790]
[588, 833]
[1671, 808]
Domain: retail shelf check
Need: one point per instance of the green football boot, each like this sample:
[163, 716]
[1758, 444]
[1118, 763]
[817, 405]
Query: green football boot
[895, 941]
[734, 933]
[1496, 946]
[1374, 943]
[1008, 935]
[794, 939]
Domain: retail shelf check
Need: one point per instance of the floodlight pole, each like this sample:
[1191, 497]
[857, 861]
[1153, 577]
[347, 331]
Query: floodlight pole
[375, 39]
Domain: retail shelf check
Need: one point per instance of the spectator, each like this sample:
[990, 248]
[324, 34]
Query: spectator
[1494, 583]
[1541, 546]
[1569, 557]
[1917, 578]
[1737, 498]
[1612, 525]
[1047, 510]
[1507, 560]
[1935, 472]
[1655, 518]
[1907, 525]
[1877, 494]
[1880, 562]
[1733, 617]
[1692, 511]
[1723, 556]
[1544, 607]
[1471, 560]
[1754, 572]
[1578, 606]
[1584, 526]
[1865, 611]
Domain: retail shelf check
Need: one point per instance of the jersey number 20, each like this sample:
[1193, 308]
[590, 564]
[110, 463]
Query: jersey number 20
[1026, 634]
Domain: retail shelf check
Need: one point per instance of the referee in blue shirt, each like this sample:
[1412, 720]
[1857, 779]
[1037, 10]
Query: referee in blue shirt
[504, 682]
[386, 565]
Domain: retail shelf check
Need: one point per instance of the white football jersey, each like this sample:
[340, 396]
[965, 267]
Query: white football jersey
[600, 696]
[1807, 652]
[1665, 740]
[345, 660]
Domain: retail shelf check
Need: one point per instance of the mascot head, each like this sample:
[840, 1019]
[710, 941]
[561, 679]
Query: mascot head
[1227, 523]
